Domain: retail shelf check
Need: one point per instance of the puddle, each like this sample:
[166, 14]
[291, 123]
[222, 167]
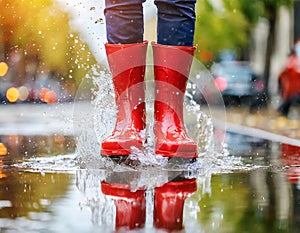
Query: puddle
[253, 188]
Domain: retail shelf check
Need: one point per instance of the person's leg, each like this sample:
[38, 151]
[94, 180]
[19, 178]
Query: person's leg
[173, 56]
[176, 22]
[124, 21]
[284, 108]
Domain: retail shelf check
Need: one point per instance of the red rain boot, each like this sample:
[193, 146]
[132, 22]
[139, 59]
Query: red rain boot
[127, 65]
[290, 155]
[130, 206]
[171, 70]
[169, 202]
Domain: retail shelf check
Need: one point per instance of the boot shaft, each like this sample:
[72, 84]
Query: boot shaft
[171, 70]
[127, 64]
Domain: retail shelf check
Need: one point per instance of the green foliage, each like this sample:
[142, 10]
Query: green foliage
[41, 29]
[220, 28]
[228, 25]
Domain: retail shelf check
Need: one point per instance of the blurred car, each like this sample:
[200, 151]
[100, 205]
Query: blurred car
[238, 84]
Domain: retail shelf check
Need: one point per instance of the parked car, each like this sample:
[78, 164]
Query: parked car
[238, 83]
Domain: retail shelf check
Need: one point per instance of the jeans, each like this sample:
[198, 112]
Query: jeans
[175, 22]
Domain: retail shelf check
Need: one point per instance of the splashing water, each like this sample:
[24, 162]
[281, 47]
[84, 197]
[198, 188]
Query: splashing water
[99, 122]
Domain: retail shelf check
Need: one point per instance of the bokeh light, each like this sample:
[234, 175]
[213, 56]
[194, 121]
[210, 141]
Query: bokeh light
[23, 93]
[50, 97]
[42, 93]
[3, 68]
[12, 94]
[3, 149]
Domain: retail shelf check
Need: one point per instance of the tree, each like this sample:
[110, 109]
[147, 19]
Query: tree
[229, 26]
[253, 9]
[41, 31]
[219, 27]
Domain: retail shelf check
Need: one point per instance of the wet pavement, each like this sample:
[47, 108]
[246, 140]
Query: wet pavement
[36, 119]
[268, 120]
[265, 123]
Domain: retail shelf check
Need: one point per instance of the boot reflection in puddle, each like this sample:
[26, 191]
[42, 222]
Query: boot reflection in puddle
[290, 157]
[169, 202]
[130, 205]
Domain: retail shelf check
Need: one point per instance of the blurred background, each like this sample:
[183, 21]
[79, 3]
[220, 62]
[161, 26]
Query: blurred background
[48, 46]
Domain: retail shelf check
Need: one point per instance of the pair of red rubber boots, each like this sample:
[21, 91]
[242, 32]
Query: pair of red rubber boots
[127, 63]
[168, 204]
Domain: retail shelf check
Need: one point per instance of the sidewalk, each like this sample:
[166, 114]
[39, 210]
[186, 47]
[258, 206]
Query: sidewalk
[265, 120]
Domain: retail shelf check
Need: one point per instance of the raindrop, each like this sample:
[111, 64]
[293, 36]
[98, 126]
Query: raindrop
[100, 20]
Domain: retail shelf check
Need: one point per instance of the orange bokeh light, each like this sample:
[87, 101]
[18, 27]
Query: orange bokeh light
[3, 149]
[12, 94]
[50, 97]
[2, 175]
[3, 68]
[42, 93]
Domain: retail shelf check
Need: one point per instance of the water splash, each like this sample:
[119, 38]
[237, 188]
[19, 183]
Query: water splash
[58, 163]
[98, 122]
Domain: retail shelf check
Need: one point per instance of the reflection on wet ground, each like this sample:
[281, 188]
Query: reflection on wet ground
[255, 187]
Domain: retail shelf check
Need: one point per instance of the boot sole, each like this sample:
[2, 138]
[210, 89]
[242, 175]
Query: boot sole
[177, 160]
[116, 158]
[178, 154]
[118, 152]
